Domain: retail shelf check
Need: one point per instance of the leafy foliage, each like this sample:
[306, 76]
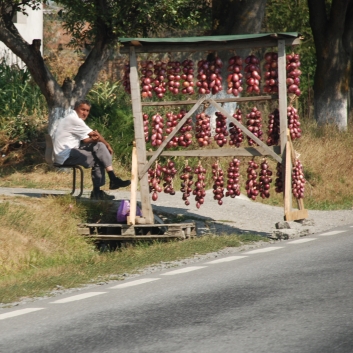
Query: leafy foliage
[18, 93]
[86, 19]
[22, 107]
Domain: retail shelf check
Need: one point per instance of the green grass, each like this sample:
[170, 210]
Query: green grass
[100, 267]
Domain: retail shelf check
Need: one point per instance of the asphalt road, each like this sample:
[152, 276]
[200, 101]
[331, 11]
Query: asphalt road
[291, 296]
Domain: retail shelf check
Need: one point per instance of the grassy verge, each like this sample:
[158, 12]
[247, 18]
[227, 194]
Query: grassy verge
[40, 250]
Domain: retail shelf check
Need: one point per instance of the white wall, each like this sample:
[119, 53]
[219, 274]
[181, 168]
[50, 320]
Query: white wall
[30, 27]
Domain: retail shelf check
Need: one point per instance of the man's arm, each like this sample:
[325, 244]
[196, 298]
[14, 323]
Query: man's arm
[95, 136]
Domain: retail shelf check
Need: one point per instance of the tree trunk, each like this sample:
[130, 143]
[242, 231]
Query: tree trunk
[59, 98]
[333, 34]
[237, 16]
[331, 85]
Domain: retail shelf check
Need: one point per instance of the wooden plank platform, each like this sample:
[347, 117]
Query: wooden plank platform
[117, 231]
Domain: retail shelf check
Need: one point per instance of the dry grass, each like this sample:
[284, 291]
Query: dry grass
[37, 232]
[40, 249]
[41, 177]
[327, 157]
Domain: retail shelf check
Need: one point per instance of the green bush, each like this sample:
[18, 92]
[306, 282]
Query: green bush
[19, 94]
[23, 112]
[111, 115]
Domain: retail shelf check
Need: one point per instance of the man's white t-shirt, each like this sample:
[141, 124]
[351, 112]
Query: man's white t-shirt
[70, 131]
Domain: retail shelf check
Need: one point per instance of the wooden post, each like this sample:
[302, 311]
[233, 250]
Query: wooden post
[131, 219]
[282, 93]
[288, 180]
[147, 211]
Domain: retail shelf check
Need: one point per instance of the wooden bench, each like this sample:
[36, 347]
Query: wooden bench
[115, 231]
[75, 168]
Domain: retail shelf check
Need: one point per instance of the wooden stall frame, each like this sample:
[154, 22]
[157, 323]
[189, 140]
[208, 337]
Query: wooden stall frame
[279, 153]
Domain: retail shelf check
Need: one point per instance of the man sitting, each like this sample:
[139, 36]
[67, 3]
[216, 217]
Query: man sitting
[75, 143]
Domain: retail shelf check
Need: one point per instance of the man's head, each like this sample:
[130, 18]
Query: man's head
[82, 108]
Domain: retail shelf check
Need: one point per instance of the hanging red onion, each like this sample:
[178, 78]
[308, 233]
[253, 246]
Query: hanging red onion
[147, 79]
[251, 186]
[169, 172]
[218, 183]
[236, 136]
[172, 122]
[252, 74]
[199, 186]
[265, 179]
[293, 74]
[203, 129]
[254, 124]
[157, 130]
[233, 175]
[159, 83]
[186, 183]
[187, 77]
[293, 123]
[202, 77]
[209, 76]
[273, 129]
[235, 78]
[174, 76]
[154, 179]
[145, 126]
[221, 129]
[271, 72]
[298, 180]
[185, 135]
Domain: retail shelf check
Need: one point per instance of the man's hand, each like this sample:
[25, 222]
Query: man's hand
[109, 149]
[97, 137]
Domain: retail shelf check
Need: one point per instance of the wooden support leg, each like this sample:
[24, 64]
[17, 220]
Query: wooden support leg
[131, 219]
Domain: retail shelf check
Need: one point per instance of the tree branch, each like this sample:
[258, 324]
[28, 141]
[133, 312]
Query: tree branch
[32, 57]
[89, 70]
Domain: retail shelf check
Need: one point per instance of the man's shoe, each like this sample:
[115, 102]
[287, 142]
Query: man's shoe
[101, 195]
[118, 183]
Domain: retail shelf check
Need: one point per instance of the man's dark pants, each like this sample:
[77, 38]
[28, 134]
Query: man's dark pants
[92, 155]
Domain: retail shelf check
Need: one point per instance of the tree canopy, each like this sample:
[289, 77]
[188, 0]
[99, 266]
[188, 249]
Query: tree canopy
[98, 23]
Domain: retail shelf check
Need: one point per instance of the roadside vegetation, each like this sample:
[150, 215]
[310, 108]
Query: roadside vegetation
[41, 252]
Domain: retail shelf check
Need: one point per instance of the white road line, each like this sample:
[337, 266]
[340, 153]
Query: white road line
[134, 283]
[226, 259]
[299, 241]
[271, 248]
[18, 313]
[77, 297]
[333, 232]
[183, 270]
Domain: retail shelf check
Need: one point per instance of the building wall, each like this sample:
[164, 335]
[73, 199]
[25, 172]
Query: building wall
[30, 27]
